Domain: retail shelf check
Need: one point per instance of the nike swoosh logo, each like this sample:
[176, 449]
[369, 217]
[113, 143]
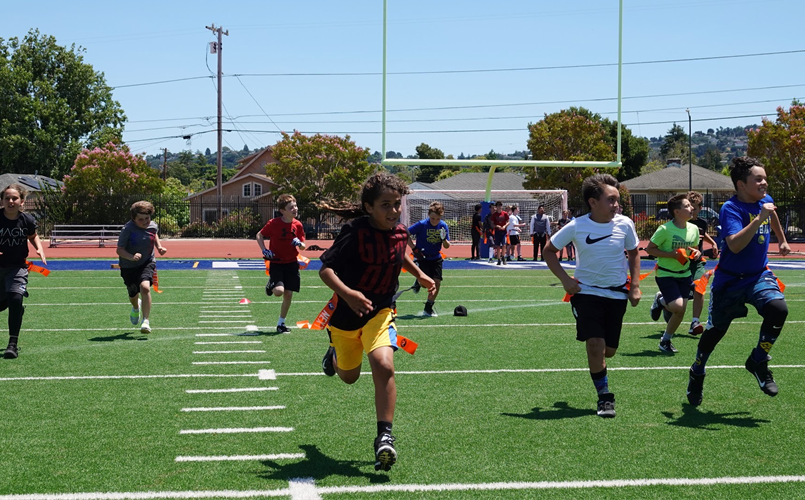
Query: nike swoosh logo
[590, 241]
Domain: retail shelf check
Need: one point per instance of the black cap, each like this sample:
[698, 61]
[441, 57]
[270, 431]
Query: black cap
[460, 311]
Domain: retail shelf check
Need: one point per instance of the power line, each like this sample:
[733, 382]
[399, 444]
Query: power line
[492, 70]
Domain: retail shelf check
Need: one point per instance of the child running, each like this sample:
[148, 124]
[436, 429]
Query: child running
[675, 244]
[362, 267]
[695, 199]
[284, 234]
[428, 236]
[17, 228]
[135, 247]
[742, 277]
[599, 289]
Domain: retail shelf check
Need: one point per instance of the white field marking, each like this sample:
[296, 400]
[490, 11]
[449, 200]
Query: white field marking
[236, 430]
[228, 315]
[230, 342]
[234, 408]
[256, 351]
[399, 326]
[231, 362]
[232, 458]
[303, 488]
[266, 375]
[412, 488]
[435, 372]
[217, 334]
[235, 389]
[233, 321]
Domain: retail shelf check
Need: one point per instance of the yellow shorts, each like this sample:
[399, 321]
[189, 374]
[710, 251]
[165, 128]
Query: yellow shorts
[380, 331]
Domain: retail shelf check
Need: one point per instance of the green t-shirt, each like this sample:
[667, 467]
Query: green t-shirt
[668, 238]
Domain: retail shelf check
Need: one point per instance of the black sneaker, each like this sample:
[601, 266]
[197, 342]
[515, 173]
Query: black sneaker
[606, 405]
[385, 454]
[283, 329]
[656, 307]
[695, 388]
[760, 371]
[416, 286]
[11, 352]
[327, 365]
[271, 286]
[429, 310]
[667, 346]
[498, 262]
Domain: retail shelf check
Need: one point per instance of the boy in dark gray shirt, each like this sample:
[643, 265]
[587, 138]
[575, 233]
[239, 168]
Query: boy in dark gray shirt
[135, 247]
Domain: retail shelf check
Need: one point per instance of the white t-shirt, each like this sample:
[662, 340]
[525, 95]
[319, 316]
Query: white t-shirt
[512, 229]
[600, 261]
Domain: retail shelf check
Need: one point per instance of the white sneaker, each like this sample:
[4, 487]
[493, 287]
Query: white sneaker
[134, 315]
[145, 327]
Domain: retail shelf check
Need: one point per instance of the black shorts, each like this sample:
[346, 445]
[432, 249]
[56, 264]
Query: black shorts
[15, 280]
[673, 288]
[287, 273]
[500, 238]
[598, 317]
[514, 239]
[432, 268]
[133, 276]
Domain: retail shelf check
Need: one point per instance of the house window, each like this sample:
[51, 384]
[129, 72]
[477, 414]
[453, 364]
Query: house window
[211, 214]
[247, 190]
[639, 203]
[258, 189]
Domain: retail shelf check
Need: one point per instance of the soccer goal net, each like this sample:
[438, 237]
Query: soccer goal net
[459, 207]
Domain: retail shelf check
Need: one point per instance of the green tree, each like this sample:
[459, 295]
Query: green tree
[52, 104]
[672, 140]
[780, 146]
[319, 168]
[568, 135]
[105, 181]
[711, 159]
[428, 173]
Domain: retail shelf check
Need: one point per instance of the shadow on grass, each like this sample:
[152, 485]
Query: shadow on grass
[122, 336]
[694, 418]
[418, 316]
[319, 466]
[647, 353]
[559, 411]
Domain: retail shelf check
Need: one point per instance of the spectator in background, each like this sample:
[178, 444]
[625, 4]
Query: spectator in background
[540, 229]
[476, 232]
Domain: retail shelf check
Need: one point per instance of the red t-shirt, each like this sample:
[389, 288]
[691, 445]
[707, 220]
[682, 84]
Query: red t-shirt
[500, 219]
[280, 235]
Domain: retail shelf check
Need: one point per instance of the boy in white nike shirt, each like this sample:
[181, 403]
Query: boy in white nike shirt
[604, 280]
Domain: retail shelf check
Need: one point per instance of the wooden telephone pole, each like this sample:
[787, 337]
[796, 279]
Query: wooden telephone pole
[215, 48]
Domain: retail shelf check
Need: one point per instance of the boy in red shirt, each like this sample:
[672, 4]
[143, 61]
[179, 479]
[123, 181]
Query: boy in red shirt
[285, 235]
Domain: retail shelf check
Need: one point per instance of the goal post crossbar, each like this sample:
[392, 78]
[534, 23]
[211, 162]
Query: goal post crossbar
[499, 163]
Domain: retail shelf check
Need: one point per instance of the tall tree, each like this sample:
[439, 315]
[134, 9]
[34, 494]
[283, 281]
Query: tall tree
[672, 140]
[319, 168]
[567, 135]
[52, 104]
[780, 146]
[711, 159]
[428, 173]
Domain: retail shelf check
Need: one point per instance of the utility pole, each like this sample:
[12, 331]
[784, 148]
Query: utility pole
[215, 48]
[165, 164]
[690, 155]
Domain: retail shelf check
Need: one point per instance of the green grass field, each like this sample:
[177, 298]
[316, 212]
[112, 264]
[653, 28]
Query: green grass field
[498, 404]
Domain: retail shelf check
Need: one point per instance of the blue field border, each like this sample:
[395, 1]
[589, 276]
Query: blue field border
[258, 265]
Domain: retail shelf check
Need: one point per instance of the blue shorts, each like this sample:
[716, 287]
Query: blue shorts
[500, 238]
[727, 305]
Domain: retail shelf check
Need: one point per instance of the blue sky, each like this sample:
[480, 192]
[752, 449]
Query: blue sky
[307, 47]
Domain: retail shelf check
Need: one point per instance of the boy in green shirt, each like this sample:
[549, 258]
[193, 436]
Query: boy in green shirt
[675, 244]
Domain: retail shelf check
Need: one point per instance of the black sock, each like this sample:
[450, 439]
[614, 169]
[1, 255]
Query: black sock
[383, 427]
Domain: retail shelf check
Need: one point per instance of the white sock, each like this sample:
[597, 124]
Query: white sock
[281, 321]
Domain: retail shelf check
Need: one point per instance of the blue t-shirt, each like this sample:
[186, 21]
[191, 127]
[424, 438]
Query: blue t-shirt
[753, 259]
[428, 239]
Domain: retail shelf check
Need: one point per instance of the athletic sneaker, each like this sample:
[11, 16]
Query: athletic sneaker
[490, 260]
[11, 352]
[283, 329]
[695, 388]
[763, 375]
[696, 328]
[145, 327]
[134, 316]
[416, 286]
[504, 262]
[385, 454]
[520, 259]
[667, 346]
[606, 405]
[656, 307]
[327, 364]
[498, 262]
[429, 310]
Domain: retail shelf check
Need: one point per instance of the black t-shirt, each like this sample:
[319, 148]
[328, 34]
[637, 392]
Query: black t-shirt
[368, 260]
[477, 225]
[14, 239]
[702, 225]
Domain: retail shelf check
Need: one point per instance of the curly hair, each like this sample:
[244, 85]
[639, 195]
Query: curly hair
[740, 167]
[372, 189]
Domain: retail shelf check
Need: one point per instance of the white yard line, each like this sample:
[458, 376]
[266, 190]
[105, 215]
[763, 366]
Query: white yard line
[234, 408]
[256, 351]
[231, 362]
[236, 430]
[230, 342]
[236, 389]
[232, 458]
